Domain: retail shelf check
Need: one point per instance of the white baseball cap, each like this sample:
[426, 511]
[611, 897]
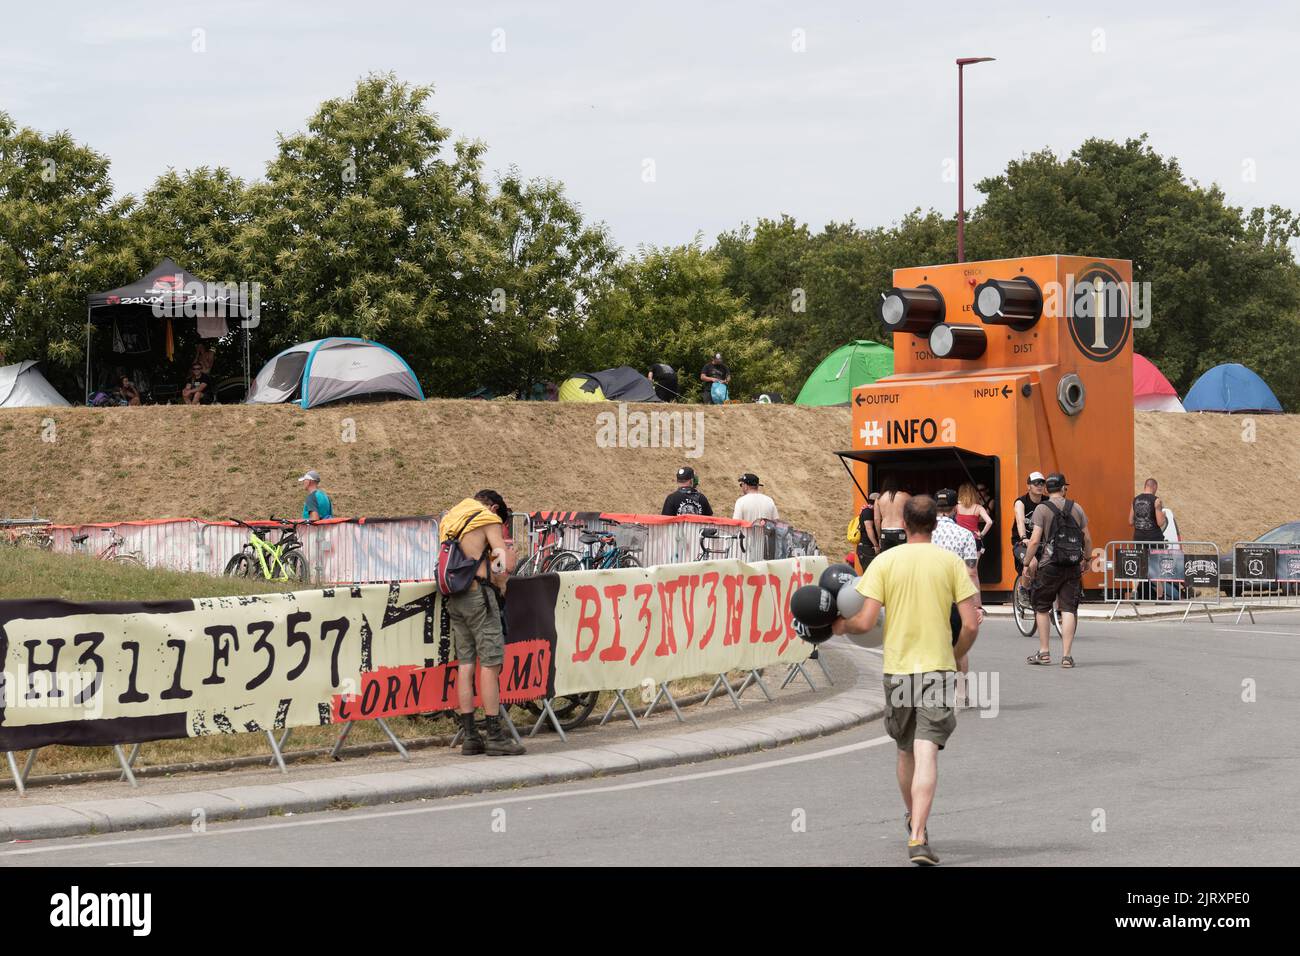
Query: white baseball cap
[1036, 476]
[310, 476]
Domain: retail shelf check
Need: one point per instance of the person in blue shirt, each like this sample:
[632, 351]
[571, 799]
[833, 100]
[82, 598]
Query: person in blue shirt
[317, 504]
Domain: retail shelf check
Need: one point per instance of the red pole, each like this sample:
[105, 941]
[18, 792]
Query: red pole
[961, 174]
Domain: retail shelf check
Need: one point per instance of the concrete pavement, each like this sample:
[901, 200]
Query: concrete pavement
[1171, 744]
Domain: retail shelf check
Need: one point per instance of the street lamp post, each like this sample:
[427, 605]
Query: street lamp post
[961, 172]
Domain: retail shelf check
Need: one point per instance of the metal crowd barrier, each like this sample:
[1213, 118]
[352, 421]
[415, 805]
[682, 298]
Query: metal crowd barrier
[1264, 576]
[1162, 573]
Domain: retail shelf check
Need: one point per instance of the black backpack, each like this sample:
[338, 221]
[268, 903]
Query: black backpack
[1067, 537]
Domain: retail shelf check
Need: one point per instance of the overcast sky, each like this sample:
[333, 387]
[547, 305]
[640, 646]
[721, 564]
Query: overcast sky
[826, 111]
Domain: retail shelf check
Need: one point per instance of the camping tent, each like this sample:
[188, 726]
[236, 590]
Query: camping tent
[623, 384]
[1231, 388]
[1151, 390]
[23, 386]
[851, 365]
[143, 317]
[329, 370]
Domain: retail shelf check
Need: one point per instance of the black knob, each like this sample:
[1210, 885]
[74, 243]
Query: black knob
[915, 311]
[1015, 302]
[957, 341]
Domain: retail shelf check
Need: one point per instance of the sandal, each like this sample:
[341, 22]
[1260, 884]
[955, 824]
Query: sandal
[1042, 657]
[1067, 661]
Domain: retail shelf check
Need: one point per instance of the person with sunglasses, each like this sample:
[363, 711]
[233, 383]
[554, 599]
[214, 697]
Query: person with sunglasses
[1022, 525]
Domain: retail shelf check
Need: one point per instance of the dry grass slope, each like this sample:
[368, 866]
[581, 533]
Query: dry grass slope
[413, 458]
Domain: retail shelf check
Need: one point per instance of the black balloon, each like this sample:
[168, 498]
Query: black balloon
[813, 605]
[836, 576]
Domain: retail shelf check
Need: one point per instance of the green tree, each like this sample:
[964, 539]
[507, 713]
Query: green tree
[61, 238]
[367, 225]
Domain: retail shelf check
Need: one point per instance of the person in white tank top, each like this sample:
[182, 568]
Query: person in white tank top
[752, 503]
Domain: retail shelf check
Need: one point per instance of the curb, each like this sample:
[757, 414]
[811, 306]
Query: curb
[861, 703]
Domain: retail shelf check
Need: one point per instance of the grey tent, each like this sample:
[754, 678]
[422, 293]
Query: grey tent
[623, 384]
[330, 370]
[23, 386]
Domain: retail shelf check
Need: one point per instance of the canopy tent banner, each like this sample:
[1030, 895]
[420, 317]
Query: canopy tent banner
[1151, 390]
[125, 672]
[23, 386]
[368, 550]
[168, 292]
[838, 374]
[623, 384]
[616, 629]
[1231, 388]
[330, 370]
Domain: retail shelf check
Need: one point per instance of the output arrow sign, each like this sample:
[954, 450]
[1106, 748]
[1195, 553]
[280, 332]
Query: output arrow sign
[857, 400]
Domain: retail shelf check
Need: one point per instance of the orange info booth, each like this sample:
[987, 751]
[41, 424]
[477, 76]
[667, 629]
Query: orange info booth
[1003, 368]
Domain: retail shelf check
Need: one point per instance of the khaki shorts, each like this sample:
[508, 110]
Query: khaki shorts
[920, 707]
[476, 626]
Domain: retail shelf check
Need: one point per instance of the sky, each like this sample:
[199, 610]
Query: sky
[669, 119]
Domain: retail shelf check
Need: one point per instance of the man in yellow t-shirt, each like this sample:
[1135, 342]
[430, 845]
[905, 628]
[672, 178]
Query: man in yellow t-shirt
[918, 582]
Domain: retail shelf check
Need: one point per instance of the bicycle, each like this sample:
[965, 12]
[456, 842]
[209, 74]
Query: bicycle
[1022, 605]
[549, 544]
[112, 551]
[281, 560]
[709, 535]
[603, 553]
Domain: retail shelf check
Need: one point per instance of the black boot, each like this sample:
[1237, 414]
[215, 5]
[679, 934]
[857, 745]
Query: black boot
[471, 742]
[498, 743]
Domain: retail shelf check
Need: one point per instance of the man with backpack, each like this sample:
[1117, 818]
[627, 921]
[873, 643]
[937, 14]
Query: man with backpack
[1061, 531]
[473, 563]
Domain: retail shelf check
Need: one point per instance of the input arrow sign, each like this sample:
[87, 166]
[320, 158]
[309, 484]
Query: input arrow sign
[1006, 390]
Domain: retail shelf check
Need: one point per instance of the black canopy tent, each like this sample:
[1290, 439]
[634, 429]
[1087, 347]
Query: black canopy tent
[167, 292]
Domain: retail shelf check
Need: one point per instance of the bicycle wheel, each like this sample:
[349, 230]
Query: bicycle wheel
[628, 560]
[1056, 620]
[529, 567]
[563, 561]
[239, 566]
[1023, 609]
[571, 711]
[296, 566]
[128, 559]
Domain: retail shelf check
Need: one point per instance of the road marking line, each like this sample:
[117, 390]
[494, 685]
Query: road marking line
[479, 804]
[1242, 630]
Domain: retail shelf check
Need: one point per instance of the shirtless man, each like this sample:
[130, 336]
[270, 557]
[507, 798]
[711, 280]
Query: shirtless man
[476, 618]
[890, 528]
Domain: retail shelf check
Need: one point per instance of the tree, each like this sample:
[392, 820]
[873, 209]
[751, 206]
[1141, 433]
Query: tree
[366, 227]
[554, 266]
[61, 238]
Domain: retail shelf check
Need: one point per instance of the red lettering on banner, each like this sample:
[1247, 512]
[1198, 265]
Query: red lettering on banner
[689, 583]
[735, 585]
[615, 651]
[756, 581]
[772, 633]
[392, 691]
[643, 592]
[667, 636]
[711, 579]
[586, 593]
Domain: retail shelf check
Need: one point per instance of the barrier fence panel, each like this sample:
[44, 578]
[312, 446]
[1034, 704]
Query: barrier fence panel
[1156, 573]
[1264, 576]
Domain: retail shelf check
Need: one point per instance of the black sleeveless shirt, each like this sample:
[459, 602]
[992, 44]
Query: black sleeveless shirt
[1145, 526]
[1027, 500]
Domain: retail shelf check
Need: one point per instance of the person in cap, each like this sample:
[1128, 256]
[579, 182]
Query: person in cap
[317, 504]
[687, 499]
[961, 541]
[1061, 534]
[715, 371]
[479, 524]
[862, 532]
[919, 582]
[752, 503]
[1022, 524]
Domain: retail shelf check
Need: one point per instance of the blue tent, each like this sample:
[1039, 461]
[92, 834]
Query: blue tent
[1231, 388]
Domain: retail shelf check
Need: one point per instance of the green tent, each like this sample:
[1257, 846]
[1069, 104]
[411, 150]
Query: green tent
[858, 363]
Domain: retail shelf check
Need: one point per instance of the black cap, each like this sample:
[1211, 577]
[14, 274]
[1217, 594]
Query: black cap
[945, 498]
[749, 478]
[686, 474]
[1056, 481]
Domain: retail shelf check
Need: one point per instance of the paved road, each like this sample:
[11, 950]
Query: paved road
[1149, 736]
